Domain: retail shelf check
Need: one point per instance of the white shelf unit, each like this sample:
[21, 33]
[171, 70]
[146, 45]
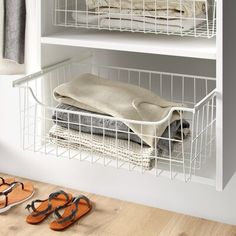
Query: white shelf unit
[59, 42]
[135, 42]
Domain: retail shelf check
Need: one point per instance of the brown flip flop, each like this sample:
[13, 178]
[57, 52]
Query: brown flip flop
[15, 194]
[5, 183]
[79, 207]
[47, 206]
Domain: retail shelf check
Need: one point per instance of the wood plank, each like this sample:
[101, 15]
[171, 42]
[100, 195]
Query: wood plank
[113, 217]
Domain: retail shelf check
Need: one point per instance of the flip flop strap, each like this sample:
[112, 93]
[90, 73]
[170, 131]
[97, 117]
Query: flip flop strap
[71, 217]
[35, 212]
[5, 193]
[49, 208]
[9, 190]
[4, 182]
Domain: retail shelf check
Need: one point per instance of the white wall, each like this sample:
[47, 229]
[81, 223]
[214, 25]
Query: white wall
[193, 199]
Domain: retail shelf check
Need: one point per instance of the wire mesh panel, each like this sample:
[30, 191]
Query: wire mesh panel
[172, 17]
[181, 149]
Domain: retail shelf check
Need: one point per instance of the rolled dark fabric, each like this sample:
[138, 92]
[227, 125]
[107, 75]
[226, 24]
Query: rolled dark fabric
[14, 30]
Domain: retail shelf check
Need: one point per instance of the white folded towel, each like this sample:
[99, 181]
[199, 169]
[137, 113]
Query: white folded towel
[137, 23]
[117, 149]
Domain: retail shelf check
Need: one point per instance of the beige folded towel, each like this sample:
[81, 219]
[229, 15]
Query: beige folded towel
[174, 6]
[134, 22]
[120, 100]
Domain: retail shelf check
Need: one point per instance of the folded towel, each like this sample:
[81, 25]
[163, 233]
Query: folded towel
[111, 128]
[120, 100]
[136, 22]
[148, 27]
[14, 33]
[184, 8]
[149, 15]
[124, 151]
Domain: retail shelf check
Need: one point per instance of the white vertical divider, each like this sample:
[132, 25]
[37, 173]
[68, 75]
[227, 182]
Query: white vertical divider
[219, 102]
[33, 36]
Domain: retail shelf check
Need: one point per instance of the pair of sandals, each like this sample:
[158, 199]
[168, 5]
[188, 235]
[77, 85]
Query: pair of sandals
[72, 208]
[13, 193]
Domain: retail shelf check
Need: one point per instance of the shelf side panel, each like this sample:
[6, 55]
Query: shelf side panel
[227, 94]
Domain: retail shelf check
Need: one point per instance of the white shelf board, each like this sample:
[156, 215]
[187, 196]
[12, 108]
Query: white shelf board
[136, 42]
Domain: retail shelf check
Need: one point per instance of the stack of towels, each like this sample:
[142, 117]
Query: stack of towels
[95, 114]
[144, 15]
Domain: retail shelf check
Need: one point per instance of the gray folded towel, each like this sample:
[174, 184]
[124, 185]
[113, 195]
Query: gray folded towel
[108, 127]
[14, 30]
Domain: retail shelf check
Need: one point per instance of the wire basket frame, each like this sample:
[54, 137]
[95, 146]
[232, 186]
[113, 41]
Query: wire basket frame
[74, 138]
[195, 18]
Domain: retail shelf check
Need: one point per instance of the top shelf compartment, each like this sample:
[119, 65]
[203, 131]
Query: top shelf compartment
[195, 18]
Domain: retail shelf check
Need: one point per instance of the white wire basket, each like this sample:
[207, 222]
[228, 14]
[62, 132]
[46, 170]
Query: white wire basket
[43, 131]
[196, 18]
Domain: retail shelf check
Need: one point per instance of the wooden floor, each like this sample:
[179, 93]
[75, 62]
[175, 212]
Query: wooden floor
[113, 218]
